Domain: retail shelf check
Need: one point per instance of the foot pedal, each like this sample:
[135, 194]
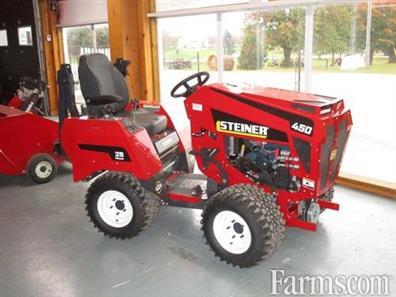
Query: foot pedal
[198, 191]
[189, 185]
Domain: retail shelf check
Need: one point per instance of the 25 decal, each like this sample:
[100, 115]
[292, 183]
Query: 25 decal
[119, 156]
[302, 128]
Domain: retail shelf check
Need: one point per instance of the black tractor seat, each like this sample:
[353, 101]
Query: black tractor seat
[103, 84]
[152, 122]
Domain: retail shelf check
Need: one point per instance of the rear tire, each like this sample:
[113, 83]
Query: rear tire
[119, 206]
[42, 168]
[243, 225]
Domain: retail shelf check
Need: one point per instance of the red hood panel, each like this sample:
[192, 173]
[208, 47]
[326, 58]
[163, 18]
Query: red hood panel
[276, 94]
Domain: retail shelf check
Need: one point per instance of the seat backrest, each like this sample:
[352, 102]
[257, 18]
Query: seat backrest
[67, 100]
[99, 77]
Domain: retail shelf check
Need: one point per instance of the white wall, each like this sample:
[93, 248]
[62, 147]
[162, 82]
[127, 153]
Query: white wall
[82, 12]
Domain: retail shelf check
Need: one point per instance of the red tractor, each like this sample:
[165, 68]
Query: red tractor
[268, 159]
[28, 140]
[28, 145]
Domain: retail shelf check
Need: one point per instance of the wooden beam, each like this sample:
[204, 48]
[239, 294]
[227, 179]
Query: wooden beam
[154, 55]
[133, 37]
[53, 51]
[115, 33]
[369, 185]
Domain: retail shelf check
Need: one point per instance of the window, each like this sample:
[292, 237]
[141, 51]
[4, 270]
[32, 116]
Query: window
[252, 49]
[25, 36]
[187, 45]
[84, 40]
[3, 38]
[257, 50]
[267, 48]
[340, 70]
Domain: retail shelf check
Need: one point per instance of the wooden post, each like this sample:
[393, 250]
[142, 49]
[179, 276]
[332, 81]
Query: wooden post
[53, 51]
[133, 36]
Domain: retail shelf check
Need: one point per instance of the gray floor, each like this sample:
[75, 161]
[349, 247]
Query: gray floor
[49, 248]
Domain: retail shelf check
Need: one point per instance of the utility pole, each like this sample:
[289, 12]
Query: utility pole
[94, 43]
[368, 32]
[260, 43]
[220, 54]
[308, 49]
[352, 45]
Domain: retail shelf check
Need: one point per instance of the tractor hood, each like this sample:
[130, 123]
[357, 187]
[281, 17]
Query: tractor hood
[304, 102]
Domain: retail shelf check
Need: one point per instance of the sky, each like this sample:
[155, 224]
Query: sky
[193, 28]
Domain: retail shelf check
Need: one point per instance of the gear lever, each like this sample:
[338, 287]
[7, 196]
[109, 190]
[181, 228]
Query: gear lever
[135, 104]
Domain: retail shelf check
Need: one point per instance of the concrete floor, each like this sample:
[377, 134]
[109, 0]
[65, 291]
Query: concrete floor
[49, 248]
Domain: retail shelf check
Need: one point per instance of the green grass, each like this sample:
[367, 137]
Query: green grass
[380, 64]
[189, 54]
[379, 68]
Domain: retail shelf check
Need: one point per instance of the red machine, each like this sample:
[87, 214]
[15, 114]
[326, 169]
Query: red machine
[29, 96]
[28, 144]
[268, 159]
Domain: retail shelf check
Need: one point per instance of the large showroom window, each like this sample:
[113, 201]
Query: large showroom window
[263, 47]
[339, 69]
[186, 44]
[269, 47]
[85, 31]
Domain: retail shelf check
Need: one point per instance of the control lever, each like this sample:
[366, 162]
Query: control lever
[202, 132]
[135, 104]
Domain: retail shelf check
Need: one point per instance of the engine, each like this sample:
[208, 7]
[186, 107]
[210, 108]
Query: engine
[264, 162]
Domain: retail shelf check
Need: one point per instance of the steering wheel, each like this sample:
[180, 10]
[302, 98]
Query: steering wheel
[202, 77]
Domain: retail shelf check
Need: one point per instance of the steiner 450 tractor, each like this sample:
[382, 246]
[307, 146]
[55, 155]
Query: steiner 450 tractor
[268, 157]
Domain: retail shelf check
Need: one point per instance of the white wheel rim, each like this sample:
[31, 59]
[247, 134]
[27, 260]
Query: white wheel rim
[232, 232]
[115, 209]
[43, 169]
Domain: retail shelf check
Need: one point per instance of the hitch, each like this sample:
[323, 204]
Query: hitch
[302, 224]
[328, 205]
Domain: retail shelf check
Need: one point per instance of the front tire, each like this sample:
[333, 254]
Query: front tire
[42, 168]
[243, 225]
[119, 206]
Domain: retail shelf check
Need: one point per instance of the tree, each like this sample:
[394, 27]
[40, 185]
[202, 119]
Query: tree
[332, 29]
[248, 57]
[77, 38]
[102, 37]
[383, 31]
[228, 43]
[284, 28]
[170, 42]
